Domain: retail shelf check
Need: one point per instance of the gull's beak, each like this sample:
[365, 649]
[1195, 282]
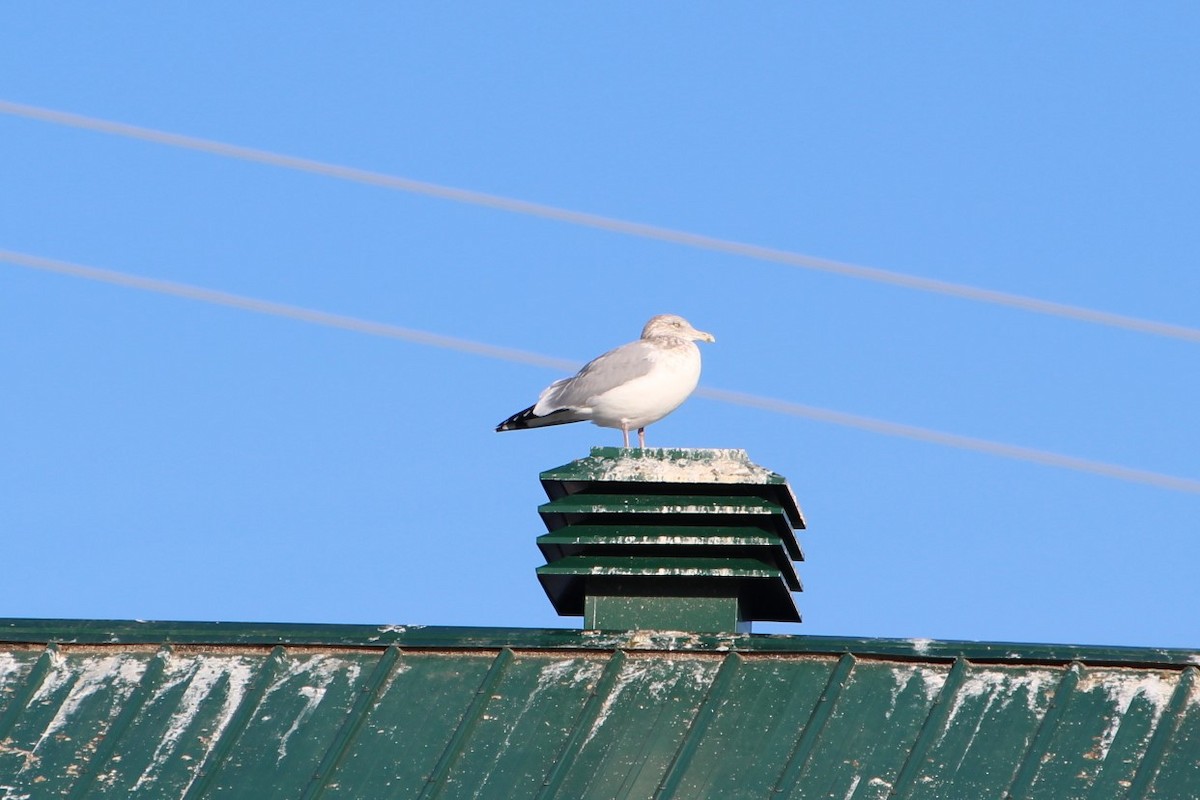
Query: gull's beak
[705, 337]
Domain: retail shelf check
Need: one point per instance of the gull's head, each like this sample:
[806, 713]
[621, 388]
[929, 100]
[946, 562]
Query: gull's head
[674, 325]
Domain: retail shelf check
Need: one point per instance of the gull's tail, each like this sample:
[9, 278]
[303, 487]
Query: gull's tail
[527, 419]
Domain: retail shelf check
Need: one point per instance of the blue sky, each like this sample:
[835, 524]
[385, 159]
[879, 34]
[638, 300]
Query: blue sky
[169, 459]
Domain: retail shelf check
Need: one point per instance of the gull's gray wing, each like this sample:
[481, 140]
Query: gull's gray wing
[614, 368]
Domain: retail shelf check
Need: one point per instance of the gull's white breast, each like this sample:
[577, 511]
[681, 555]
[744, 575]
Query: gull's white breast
[647, 399]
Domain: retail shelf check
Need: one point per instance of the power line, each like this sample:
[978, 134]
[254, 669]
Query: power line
[1001, 449]
[610, 224]
[211, 296]
[244, 303]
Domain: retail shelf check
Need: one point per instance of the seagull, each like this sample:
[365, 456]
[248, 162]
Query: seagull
[628, 388]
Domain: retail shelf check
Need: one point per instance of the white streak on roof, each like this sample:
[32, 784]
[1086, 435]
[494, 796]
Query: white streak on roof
[314, 695]
[572, 671]
[202, 674]
[1000, 687]
[54, 679]
[1005, 685]
[628, 675]
[1122, 687]
[90, 675]
[399, 669]
[321, 671]
[658, 677]
[932, 679]
[920, 646]
[11, 669]
[240, 672]
[662, 640]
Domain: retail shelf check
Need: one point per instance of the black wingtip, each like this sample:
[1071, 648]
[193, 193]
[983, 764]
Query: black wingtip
[517, 421]
[528, 419]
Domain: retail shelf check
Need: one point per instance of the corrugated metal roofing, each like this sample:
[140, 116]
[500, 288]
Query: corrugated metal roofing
[216, 711]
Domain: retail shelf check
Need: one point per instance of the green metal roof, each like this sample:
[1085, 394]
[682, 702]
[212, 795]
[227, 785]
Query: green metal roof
[155, 710]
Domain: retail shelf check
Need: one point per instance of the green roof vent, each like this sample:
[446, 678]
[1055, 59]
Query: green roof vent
[665, 539]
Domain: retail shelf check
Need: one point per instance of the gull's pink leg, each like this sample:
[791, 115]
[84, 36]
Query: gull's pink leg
[625, 433]
[642, 437]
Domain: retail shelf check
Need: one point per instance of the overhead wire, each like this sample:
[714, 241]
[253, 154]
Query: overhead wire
[215, 297]
[773, 405]
[610, 224]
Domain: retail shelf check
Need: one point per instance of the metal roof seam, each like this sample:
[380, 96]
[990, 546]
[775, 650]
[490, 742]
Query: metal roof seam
[356, 715]
[797, 762]
[33, 682]
[933, 727]
[147, 683]
[589, 713]
[1026, 773]
[1168, 726]
[713, 697]
[436, 780]
[207, 771]
[1124, 741]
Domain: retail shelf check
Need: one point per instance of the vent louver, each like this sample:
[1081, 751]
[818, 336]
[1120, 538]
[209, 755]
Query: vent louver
[667, 539]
